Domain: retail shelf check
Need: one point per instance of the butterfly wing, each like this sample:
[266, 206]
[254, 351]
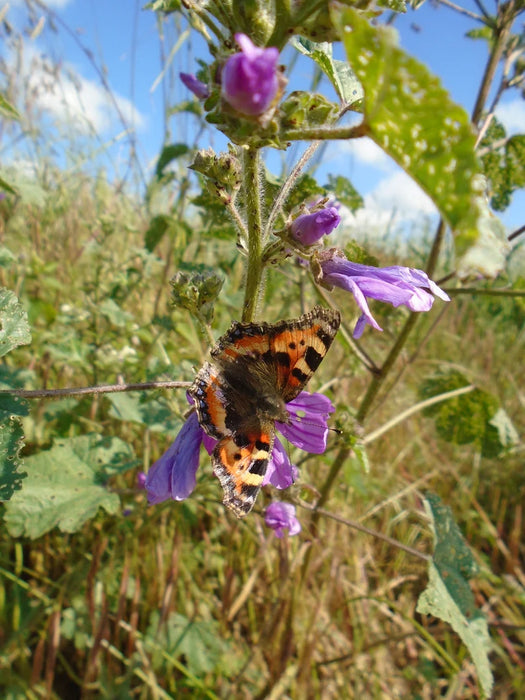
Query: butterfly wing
[240, 462]
[299, 346]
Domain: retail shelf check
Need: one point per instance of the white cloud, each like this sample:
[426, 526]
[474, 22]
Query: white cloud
[398, 192]
[394, 206]
[365, 152]
[73, 100]
[512, 116]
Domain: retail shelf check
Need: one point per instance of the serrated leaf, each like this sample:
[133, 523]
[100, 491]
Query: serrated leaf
[66, 485]
[448, 595]
[339, 73]
[345, 192]
[14, 328]
[463, 419]
[412, 118]
[11, 441]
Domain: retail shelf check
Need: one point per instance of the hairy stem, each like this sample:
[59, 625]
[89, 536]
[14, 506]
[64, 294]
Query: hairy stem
[255, 266]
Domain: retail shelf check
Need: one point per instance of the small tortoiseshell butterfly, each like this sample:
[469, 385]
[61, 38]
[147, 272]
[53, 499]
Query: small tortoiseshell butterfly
[254, 371]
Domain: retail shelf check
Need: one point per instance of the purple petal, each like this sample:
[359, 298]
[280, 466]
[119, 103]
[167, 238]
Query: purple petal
[198, 88]
[280, 472]
[281, 516]
[309, 228]
[366, 315]
[308, 427]
[249, 78]
[173, 475]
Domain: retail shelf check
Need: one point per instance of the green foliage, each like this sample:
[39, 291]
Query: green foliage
[339, 73]
[503, 162]
[448, 595]
[66, 485]
[475, 417]
[155, 414]
[305, 110]
[403, 113]
[345, 192]
[14, 327]
[169, 153]
[200, 643]
[11, 442]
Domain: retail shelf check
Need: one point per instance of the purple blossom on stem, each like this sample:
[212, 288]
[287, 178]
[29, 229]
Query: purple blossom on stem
[395, 285]
[309, 228]
[281, 516]
[249, 78]
[199, 89]
[174, 474]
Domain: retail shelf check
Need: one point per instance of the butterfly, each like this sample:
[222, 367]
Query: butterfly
[255, 370]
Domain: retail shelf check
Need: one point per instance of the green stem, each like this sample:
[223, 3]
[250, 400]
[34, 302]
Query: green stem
[322, 133]
[255, 265]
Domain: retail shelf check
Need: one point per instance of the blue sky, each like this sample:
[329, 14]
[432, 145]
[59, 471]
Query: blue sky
[120, 41]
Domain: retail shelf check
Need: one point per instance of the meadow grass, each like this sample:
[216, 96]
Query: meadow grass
[182, 600]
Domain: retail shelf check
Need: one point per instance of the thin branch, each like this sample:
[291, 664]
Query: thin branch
[367, 530]
[81, 391]
[462, 10]
[516, 233]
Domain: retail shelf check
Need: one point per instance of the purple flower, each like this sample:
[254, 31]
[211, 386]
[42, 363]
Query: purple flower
[249, 78]
[281, 516]
[141, 480]
[309, 228]
[199, 89]
[396, 285]
[174, 474]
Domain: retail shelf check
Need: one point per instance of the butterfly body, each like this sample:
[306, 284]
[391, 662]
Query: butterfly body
[255, 370]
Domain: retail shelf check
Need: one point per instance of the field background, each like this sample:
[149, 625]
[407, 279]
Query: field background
[180, 600]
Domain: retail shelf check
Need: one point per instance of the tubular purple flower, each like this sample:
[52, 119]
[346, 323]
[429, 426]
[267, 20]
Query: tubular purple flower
[281, 516]
[395, 285]
[174, 474]
[199, 89]
[309, 228]
[249, 78]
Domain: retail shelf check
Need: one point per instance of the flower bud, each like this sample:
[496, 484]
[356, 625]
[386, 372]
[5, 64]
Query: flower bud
[249, 78]
[309, 228]
[199, 89]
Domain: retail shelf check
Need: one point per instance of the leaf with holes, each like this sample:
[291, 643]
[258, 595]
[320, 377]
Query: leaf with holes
[14, 328]
[411, 117]
[448, 595]
[67, 484]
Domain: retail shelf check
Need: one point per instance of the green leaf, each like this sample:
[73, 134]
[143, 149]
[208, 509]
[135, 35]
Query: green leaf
[488, 254]
[156, 231]
[307, 109]
[7, 110]
[199, 642]
[11, 441]
[66, 485]
[448, 595]
[474, 417]
[7, 258]
[7, 187]
[345, 192]
[168, 154]
[14, 328]
[153, 413]
[412, 118]
[339, 73]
